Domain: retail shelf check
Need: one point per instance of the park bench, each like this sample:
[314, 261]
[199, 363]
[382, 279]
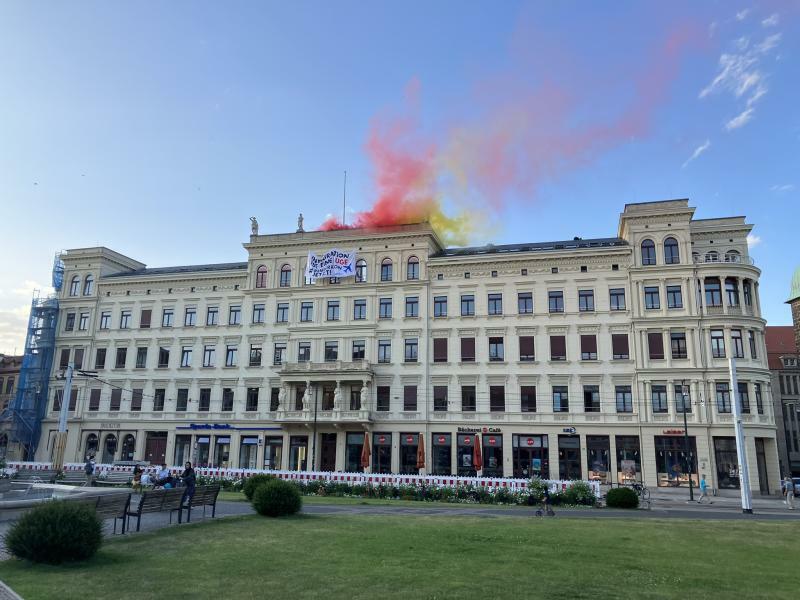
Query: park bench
[107, 506]
[115, 478]
[73, 478]
[36, 475]
[153, 501]
[204, 495]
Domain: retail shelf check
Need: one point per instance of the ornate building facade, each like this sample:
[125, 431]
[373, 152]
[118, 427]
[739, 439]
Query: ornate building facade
[571, 359]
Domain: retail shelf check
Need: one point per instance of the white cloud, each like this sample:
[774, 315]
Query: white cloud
[753, 240]
[742, 14]
[13, 324]
[786, 187]
[740, 120]
[697, 152]
[27, 288]
[771, 21]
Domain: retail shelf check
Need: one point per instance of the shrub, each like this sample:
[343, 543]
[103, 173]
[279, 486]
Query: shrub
[536, 490]
[622, 497]
[55, 532]
[579, 492]
[277, 498]
[255, 481]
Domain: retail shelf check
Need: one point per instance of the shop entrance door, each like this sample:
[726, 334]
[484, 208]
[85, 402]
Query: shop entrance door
[327, 452]
[569, 457]
[155, 448]
[761, 461]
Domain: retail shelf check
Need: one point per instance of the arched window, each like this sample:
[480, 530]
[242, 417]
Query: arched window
[648, 252]
[412, 272]
[261, 277]
[671, 253]
[109, 449]
[128, 447]
[733, 256]
[386, 269]
[361, 270]
[74, 285]
[92, 444]
[712, 256]
[286, 276]
[88, 285]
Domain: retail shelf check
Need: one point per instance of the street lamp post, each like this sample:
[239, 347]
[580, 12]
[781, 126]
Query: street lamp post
[685, 396]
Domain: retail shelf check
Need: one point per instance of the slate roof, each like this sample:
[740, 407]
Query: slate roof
[237, 266]
[533, 247]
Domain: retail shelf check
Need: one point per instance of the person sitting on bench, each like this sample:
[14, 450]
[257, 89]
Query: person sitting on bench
[164, 477]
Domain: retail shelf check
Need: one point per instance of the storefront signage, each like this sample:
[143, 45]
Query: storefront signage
[571, 430]
[109, 425]
[673, 432]
[381, 439]
[479, 430]
[334, 263]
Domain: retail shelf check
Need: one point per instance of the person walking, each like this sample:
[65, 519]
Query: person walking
[189, 480]
[703, 490]
[788, 491]
[88, 469]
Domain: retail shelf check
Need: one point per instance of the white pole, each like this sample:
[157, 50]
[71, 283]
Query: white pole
[741, 452]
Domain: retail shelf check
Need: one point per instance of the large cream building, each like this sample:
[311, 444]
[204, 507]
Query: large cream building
[567, 359]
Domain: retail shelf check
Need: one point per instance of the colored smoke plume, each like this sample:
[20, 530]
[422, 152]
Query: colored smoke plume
[520, 135]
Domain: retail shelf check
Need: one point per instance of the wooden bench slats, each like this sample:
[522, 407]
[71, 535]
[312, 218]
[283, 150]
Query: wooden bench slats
[205, 495]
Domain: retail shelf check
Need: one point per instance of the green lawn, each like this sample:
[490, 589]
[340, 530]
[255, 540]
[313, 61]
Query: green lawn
[431, 557]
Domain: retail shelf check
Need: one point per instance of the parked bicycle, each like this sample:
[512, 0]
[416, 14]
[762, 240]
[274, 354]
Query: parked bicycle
[641, 491]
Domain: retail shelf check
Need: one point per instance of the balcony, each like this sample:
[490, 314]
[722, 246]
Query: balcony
[727, 259]
[357, 370]
[336, 417]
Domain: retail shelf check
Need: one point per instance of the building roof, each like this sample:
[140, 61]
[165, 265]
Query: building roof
[794, 294]
[573, 244]
[237, 266]
[780, 341]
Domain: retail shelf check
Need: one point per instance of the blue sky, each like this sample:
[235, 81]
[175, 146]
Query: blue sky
[157, 129]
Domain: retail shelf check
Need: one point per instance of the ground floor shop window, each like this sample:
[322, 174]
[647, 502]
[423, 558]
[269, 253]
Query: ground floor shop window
[598, 458]
[409, 442]
[629, 460]
[382, 453]
[222, 451]
[273, 452]
[672, 462]
[298, 452]
[325, 456]
[353, 449]
[569, 457]
[202, 447]
[531, 457]
[492, 455]
[92, 443]
[727, 460]
[128, 448]
[248, 452]
[464, 456]
[441, 445]
[109, 449]
[183, 449]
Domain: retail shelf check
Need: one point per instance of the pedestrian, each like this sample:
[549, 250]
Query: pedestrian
[88, 468]
[189, 479]
[703, 490]
[788, 491]
[137, 478]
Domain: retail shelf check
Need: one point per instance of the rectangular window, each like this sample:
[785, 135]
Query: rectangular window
[282, 313]
[94, 400]
[385, 308]
[683, 402]
[258, 313]
[440, 350]
[555, 301]
[723, 398]
[279, 354]
[100, 359]
[713, 292]
[306, 311]
[383, 398]
[386, 270]
[496, 349]
[182, 403]
[744, 398]
[190, 317]
[83, 322]
[331, 351]
[122, 355]
[619, 346]
[751, 338]
[586, 300]
[624, 398]
[116, 400]
[588, 347]
[231, 356]
[440, 398]
[252, 400]
[304, 352]
[655, 344]
[591, 398]
[410, 352]
[526, 348]
[167, 316]
[467, 305]
[78, 365]
[333, 310]
[359, 350]
[759, 399]
[286, 276]
[658, 395]
[560, 399]
[527, 398]
[410, 398]
[467, 349]
[69, 325]
[412, 306]
[274, 399]
[617, 298]
[677, 341]
[558, 347]
[651, 299]
[468, 398]
[255, 355]
[212, 315]
[186, 356]
[674, 297]
[105, 320]
[204, 403]
[525, 303]
[495, 304]
[235, 315]
[717, 343]
[227, 400]
[144, 318]
[163, 358]
[384, 351]
[737, 343]
[141, 358]
[440, 306]
[63, 362]
[359, 310]
[209, 356]
[497, 398]
[125, 319]
[732, 290]
[158, 399]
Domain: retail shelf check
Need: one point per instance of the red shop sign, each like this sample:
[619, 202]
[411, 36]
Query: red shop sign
[467, 441]
[492, 441]
[530, 442]
[441, 439]
[410, 438]
[382, 438]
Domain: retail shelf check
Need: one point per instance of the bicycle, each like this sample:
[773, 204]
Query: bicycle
[641, 491]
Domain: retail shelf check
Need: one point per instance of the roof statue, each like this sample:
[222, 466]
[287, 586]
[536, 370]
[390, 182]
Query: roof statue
[253, 226]
[300, 224]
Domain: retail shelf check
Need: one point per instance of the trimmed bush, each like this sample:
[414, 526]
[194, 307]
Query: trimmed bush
[277, 498]
[579, 492]
[622, 497]
[55, 532]
[255, 481]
